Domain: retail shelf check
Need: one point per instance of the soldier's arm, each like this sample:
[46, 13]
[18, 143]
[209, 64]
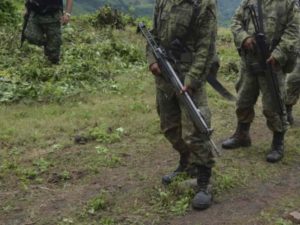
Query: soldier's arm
[65, 19]
[206, 37]
[237, 26]
[150, 57]
[289, 41]
[69, 5]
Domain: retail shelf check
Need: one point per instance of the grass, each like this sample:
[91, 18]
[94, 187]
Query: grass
[114, 178]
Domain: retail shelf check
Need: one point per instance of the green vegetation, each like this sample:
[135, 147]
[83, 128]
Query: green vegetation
[134, 7]
[91, 60]
[97, 204]
[8, 12]
[103, 93]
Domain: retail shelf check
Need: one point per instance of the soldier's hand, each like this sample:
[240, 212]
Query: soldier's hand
[273, 62]
[249, 43]
[65, 19]
[155, 70]
[186, 88]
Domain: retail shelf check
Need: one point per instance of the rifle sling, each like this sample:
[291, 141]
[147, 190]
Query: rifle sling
[260, 16]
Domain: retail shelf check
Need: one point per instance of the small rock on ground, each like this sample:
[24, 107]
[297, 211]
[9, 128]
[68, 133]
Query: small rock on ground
[294, 217]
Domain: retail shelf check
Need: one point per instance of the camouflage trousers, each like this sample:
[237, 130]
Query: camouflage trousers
[45, 30]
[179, 129]
[293, 85]
[249, 86]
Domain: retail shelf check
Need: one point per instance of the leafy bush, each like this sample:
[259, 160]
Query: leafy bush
[8, 12]
[90, 61]
[107, 16]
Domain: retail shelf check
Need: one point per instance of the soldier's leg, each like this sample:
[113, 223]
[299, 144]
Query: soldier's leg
[197, 143]
[53, 41]
[34, 32]
[276, 123]
[292, 92]
[292, 89]
[170, 121]
[201, 158]
[248, 92]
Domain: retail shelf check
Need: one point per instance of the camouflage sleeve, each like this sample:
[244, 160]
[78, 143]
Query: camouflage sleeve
[290, 39]
[205, 44]
[237, 26]
[150, 57]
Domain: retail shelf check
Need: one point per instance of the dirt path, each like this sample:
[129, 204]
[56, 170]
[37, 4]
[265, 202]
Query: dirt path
[135, 182]
[241, 206]
[244, 206]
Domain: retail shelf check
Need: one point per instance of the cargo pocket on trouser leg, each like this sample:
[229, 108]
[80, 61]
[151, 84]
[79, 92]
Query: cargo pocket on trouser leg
[34, 32]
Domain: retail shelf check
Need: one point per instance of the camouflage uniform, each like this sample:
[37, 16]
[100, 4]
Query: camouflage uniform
[292, 91]
[194, 23]
[44, 29]
[281, 25]
[293, 85]
[172, 19]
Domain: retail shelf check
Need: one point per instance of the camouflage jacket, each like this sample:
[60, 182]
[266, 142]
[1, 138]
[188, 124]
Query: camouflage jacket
[194, 23]
[281, 24]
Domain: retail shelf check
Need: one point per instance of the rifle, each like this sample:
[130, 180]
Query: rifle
[170, 74]
[265, 53]
[25, 23]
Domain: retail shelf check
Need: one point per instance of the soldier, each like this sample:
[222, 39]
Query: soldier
[44, 25]
[293, 91]
[194, 24]
[281, 24]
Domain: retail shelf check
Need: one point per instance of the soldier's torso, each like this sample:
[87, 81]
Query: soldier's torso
[174, 20]
[275, 18]
[45, 6]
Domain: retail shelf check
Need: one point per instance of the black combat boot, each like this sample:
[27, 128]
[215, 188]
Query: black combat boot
[277, 148]
[203, 199]
[289, 110]
[182, 167]
[240, 138]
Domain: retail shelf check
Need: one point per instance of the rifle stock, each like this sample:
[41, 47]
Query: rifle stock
[170, 74]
